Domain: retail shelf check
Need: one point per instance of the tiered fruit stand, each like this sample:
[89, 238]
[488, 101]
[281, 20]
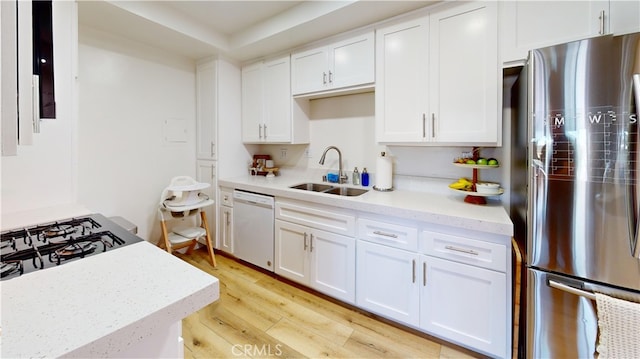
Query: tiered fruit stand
[472, 196]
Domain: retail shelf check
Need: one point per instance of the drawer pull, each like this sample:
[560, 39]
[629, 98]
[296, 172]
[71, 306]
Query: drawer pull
[305, 241]
[311, 243]
[463, 250]
[413, 274]
[424, 274]
[391, 235]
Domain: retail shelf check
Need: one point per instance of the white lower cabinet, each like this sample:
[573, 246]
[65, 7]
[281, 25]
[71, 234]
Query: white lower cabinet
[224, 240]
[449, 286]
[315, 246]
[225, 237]
[386, 282]
[321, 260]
[464, 304]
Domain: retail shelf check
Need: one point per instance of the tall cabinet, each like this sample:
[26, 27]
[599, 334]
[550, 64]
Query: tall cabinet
[437, 77]
[218, 111]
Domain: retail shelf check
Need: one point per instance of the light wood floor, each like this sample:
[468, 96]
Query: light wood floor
[260, 316]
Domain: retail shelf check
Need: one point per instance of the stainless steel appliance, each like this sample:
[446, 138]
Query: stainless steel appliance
[583, 217]
[253, 236]
[45, 245]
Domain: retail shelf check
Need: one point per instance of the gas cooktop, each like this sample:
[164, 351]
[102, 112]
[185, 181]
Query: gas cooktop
[45, 245]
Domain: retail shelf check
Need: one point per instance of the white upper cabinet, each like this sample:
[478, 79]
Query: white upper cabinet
[463, 62]
[340, 65]
[625, 17]
[206, 110]
[437, 78]
[402, 81]
[267, 104]
[528, 25]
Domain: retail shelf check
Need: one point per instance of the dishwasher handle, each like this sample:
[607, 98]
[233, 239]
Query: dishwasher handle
[254, 199]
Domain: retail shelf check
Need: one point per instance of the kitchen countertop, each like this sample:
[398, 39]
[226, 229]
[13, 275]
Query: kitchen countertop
[433, 206]
[100, 305]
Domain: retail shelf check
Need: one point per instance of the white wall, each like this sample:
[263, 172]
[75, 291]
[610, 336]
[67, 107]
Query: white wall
[44, 174]
[127, 91]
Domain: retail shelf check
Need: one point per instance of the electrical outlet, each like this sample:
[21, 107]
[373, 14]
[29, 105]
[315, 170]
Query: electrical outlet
[467, 154]
[283, 153]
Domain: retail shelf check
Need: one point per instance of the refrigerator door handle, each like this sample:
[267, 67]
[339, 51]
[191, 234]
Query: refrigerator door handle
[572, 290]
[635, 249]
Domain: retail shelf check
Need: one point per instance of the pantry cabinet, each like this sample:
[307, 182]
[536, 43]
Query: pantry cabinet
[206, 110]
[528, 25]
[437, 78]
[267, 115]
[318, 258]
[339, 65]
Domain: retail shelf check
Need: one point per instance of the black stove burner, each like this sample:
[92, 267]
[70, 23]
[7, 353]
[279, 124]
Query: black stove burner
[74, 250]
[11, 267]
[38, 247]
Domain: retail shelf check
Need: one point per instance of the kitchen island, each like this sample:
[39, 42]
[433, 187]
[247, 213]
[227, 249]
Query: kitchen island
[128, 302]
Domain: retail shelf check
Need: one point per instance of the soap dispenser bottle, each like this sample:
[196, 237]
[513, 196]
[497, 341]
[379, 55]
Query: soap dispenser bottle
[365, 177]
[356, 176]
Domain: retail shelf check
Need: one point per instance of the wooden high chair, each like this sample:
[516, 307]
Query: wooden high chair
[183, 199]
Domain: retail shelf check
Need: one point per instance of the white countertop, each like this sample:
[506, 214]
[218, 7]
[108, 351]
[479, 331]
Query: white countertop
[101, 304]
[433, 206]
[12, 220]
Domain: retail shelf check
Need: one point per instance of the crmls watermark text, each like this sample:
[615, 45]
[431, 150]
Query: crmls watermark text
[256, 350]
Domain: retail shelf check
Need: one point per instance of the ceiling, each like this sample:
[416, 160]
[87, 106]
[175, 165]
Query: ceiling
[240, 30]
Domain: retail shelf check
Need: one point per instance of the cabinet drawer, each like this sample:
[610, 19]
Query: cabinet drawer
[389, 234]
[326, 218]
[464, 250]
[226, 197]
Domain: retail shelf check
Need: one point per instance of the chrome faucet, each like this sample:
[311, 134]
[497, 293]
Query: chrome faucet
[342, 177]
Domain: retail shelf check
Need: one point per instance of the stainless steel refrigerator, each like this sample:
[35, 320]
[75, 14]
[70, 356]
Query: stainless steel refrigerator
[583, 216]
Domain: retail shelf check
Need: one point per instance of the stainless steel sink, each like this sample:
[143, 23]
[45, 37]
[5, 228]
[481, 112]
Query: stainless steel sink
[316, 187]
[325, 188]
[346, 191]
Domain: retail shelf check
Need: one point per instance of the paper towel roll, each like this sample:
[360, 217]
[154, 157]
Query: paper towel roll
[384, 173]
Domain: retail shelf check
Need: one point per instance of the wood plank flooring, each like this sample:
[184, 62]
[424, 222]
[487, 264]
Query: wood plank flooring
[259, 316]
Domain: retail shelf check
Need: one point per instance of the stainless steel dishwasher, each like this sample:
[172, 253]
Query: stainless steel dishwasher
[253, 228]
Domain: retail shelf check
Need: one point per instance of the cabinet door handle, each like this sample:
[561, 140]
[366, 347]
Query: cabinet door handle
[265, 131]
[305, 241]
[463, 250]
[433, 125]
[212, 150]
[330, 77]
[324, 78]
[311, 243]
[424, 274]
[391, 235]
[260, 131]
[413, 271]
[424, 125]
[601, 18]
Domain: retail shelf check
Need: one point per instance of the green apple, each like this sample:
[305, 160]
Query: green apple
[492, 162]
[471, 162]
[481, 161]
